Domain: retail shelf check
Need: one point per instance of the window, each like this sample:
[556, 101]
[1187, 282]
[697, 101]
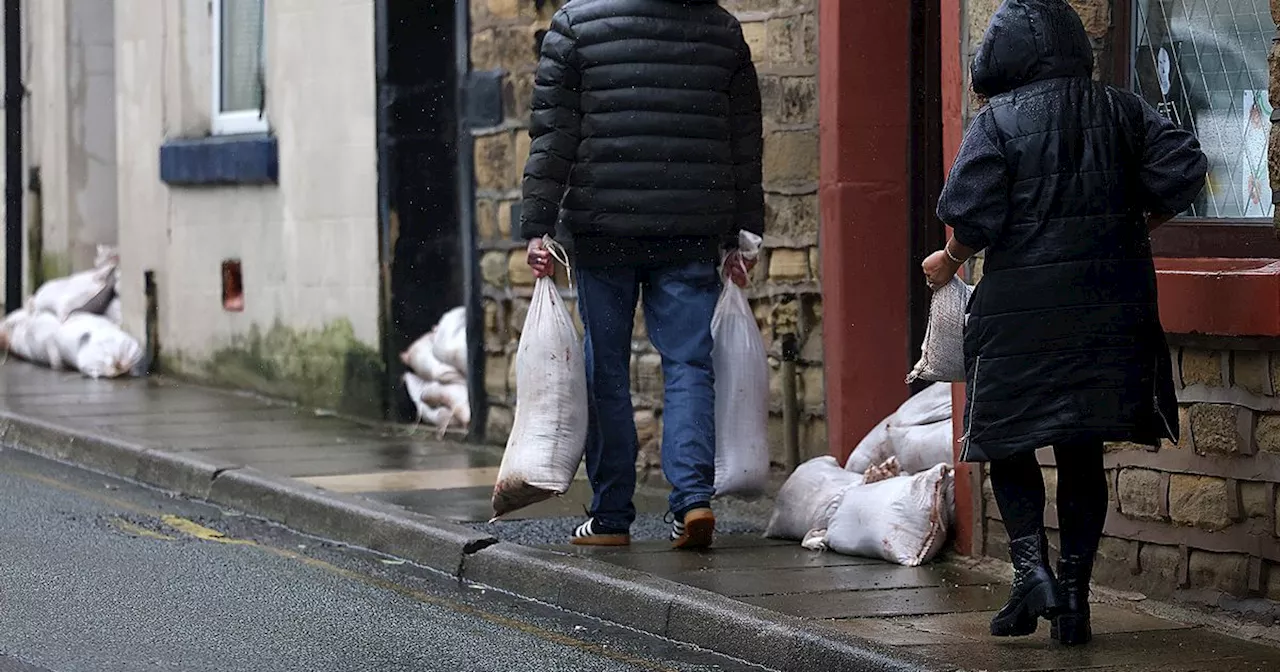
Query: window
[238, 73]
[1203, 64]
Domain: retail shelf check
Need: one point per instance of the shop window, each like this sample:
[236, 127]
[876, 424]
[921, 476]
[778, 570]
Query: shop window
[238, 73]
[1203, 63]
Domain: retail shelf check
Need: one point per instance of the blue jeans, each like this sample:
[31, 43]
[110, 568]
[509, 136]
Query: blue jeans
[678, 303]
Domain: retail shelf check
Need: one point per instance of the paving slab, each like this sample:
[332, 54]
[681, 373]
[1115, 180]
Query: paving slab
[871, 577]
[1191, 648]
[893, 602]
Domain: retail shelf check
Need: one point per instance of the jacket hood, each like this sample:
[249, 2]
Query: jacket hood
[1029, 41]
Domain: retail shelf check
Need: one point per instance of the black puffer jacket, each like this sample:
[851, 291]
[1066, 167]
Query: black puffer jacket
[1054, 180]
[646, 133]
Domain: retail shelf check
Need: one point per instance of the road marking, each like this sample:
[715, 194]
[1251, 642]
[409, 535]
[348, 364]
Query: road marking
[200, 532]
[138, 530]
[193, 529]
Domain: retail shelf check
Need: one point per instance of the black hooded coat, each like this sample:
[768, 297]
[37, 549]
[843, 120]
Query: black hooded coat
[646, 133]
[1054, 180]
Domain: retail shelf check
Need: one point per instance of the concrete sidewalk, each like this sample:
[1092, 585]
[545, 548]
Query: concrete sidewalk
[398, 491]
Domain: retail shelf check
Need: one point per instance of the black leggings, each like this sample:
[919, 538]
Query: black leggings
[1082, 495]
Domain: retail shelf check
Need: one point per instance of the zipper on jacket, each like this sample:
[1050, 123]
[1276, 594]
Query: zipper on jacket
[968, 423]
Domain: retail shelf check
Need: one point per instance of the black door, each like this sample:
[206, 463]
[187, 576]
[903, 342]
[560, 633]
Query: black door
[421, 241]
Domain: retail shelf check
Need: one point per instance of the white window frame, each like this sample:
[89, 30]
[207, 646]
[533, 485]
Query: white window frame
[238, 122]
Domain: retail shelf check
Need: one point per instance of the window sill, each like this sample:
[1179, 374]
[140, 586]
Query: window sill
[220, 160]
[1219, 297]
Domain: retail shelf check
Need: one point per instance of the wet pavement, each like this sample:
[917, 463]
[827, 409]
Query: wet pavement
[100, 575]
[940, 611]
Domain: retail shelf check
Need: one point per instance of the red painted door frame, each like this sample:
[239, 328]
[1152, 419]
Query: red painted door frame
[864, 112]
[864, 121]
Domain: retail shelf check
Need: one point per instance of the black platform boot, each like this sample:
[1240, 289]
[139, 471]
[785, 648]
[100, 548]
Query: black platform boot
[1071, 626]
[1034, 592]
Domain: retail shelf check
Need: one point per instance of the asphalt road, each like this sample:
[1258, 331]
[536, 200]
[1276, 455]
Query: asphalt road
[99, 575]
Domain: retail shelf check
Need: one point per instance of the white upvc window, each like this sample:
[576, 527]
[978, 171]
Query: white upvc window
[239, 71]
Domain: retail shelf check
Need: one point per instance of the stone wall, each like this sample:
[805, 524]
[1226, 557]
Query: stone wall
[1198, 519]
[1200, 515]
[785, 295]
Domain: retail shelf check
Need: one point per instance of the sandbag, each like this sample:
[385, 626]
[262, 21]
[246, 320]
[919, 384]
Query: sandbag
[421, 359]
[809, 498]
[549, 434]
[742, 390]
[115, 312]
[902, 520]
[875, 447]
[101, 349]
[942, 352]
[89, 291]
[34, 339]
[922, 447]
[10, 324]
[930, 405]
[434, 408]
[450, 343]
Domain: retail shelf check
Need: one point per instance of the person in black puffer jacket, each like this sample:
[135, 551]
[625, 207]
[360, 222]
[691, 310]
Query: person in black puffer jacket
[646, 163]
[1060, 179]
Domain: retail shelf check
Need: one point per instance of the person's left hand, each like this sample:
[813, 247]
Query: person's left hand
[736, 268]
[939, 269]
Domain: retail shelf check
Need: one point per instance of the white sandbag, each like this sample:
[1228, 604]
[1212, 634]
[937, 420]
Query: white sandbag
[10, 324]
[742, 390]
[549, 434]
[815, 540]
[105, 350]
[90, 291]
[436, 404]
[450, 343]
[420, 358]
[115, 312]
[809, 498]
[34, 339]
[929, 406]
[874, 448]
[922, 447]
[902, 520]
[942, 353]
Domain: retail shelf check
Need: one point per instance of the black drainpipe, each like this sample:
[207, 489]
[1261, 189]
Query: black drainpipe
[466, 207]
[13, 97]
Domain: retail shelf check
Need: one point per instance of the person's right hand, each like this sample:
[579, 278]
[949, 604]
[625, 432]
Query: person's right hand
[540, 259]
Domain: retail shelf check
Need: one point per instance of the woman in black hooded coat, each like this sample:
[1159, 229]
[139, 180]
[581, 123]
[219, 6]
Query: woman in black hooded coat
[1060, 179]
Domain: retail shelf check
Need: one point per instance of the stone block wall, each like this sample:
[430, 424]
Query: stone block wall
[1200, 516]
[785, 293]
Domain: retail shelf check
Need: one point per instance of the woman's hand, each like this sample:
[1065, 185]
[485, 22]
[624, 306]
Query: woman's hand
[939, 269]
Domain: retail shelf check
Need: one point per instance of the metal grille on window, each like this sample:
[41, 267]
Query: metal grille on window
[241, 85]
[1203, 64]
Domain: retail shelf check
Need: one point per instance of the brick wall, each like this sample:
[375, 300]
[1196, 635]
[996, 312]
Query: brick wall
[785, 295]
[1199, 518]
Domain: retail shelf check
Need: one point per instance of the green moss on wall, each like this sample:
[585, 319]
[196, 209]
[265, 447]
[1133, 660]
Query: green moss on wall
[327, 368]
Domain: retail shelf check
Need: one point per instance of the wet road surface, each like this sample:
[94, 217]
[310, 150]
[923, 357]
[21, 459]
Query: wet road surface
[98, 575]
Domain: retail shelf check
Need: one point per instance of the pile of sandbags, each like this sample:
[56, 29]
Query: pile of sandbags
[919, 434]
[437, 377]
[894, 500]
[74, 323]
